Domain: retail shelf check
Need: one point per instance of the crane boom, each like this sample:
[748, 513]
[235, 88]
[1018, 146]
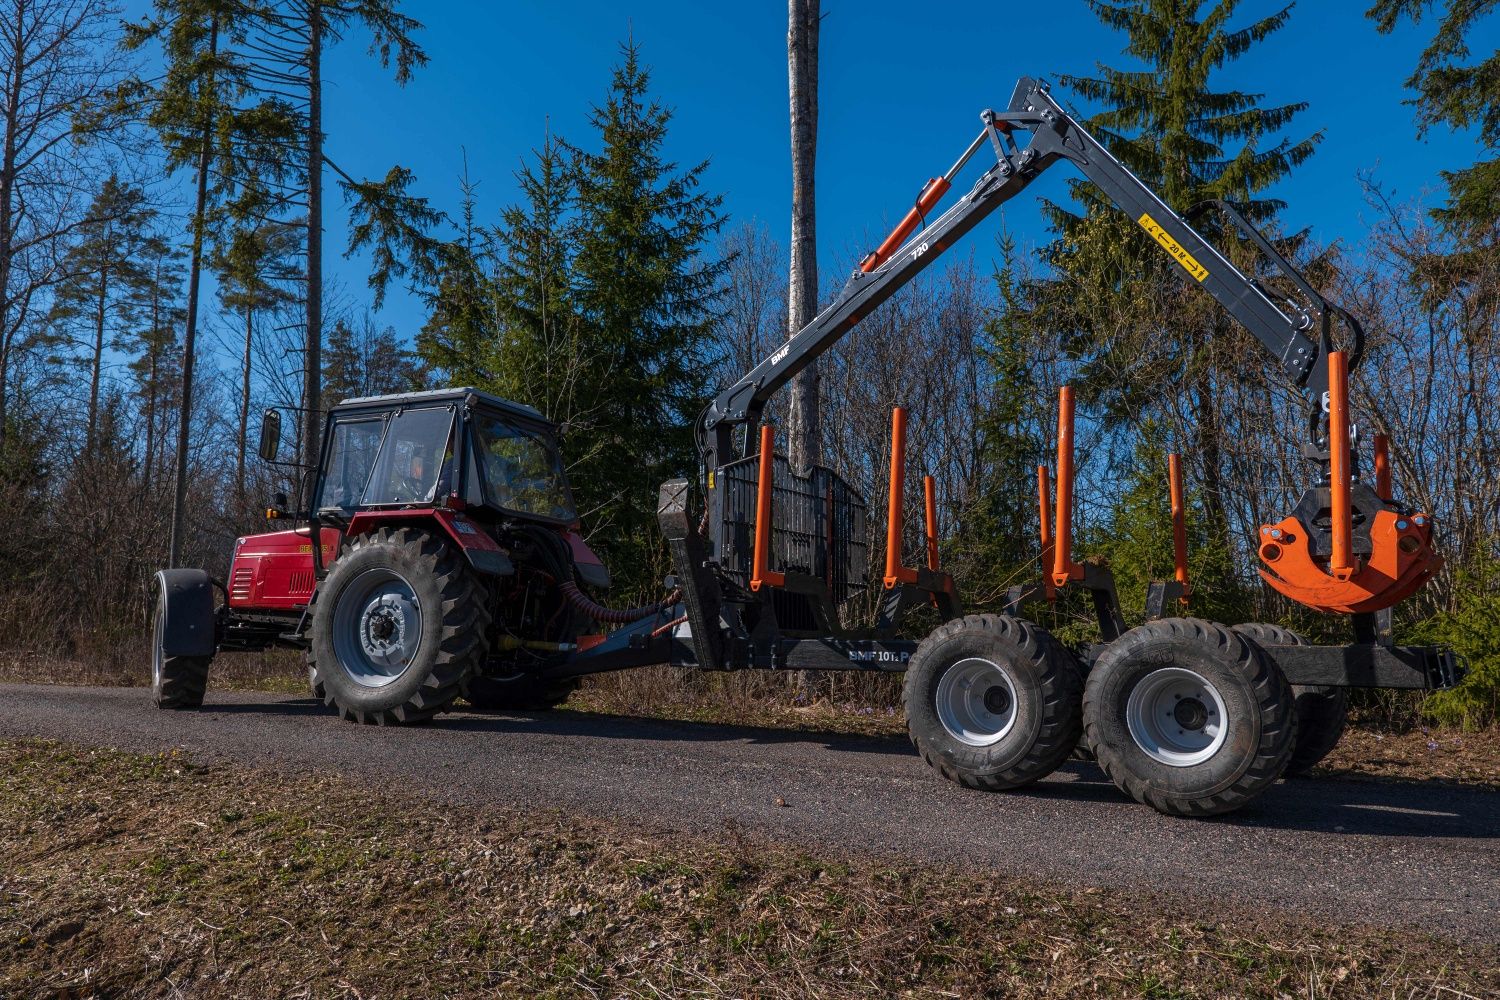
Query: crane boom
[1295, 334]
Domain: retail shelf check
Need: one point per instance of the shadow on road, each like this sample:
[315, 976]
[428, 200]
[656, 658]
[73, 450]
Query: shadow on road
[1412, 809]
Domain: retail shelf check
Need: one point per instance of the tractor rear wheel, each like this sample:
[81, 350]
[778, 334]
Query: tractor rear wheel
[398, 628]
[992, 701]
[518, 692]
[1188, 717]
[1322, 712]
[176, 681]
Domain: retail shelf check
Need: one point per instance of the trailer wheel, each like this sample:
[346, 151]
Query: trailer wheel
[176, 681]
[1322, 711]
[398, 627]
[519, 692]
[992, 702]
[1188, 717]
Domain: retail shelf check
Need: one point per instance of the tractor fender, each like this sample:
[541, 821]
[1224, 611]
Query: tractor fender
[186, 605]
[481, 551]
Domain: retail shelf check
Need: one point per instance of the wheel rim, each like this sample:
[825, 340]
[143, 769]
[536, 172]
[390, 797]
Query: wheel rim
[1176, 717]
[976, 702]
[377, 627]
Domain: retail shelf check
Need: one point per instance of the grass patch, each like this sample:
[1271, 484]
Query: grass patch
[133, 875]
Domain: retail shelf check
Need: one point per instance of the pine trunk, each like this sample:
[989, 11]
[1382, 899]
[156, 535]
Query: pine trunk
[7, 203]
[312, 383]
[96, 369]
[804, 433]
[239, 454]
[190, 328]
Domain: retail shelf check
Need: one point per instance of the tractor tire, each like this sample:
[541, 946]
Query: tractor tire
[993, 702]
[177, 682]
[398, 628]
[1188, 717]
[518, 692]
[1322, 711]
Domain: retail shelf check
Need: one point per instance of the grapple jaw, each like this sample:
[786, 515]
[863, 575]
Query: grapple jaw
[1392, 548]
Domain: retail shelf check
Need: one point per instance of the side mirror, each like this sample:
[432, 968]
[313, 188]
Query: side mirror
[270, 435]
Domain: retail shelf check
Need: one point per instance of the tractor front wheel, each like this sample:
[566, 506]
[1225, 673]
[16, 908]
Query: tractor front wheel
[176, 681]
[398, 628]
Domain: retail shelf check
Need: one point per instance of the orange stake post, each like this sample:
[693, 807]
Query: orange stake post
[1179, 523]
[1341, 560]
[1383, 467]
[895, 573]
[1044, 501]
[929, 505]
[761, 572]
[1063, 567]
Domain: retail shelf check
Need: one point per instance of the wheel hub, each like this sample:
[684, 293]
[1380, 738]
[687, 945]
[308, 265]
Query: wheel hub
[377, 627]
[997, 700]
[1190, 713]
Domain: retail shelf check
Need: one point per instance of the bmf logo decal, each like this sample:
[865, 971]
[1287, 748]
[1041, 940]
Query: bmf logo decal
[878, 656]
[781, 352]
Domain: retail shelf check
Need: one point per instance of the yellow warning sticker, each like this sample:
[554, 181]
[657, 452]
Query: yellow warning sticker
[710, 479]
[1171, 246]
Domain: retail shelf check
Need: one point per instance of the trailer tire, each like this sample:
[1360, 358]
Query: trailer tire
[518, 692]
[398, 627]
[993, 702]
[1322, 711]
[1188, 717]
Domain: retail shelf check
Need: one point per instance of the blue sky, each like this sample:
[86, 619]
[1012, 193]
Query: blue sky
[901, 88]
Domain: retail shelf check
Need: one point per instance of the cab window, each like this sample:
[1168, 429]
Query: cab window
[416, 458]
[351, 456]
[520, 469]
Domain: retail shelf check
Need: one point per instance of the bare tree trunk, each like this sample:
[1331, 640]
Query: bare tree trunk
[96, 369]
[239, 457]
[804, 433]
[190, 328]
[312, 358]
[7, 196]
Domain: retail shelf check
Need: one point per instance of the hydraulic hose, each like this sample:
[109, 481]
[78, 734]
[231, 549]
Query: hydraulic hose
[613, 616]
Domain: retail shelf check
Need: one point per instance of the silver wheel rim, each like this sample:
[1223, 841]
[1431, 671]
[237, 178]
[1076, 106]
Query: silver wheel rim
[1176, 717]
[377, 627]
[976, 702]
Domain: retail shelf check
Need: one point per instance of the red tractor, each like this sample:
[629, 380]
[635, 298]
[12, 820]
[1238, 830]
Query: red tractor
[449, 563]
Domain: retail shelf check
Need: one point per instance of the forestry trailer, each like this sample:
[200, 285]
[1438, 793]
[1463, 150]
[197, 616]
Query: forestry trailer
[442, 556]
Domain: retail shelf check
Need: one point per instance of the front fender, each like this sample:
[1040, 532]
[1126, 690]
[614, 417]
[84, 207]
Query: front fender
[185, 604]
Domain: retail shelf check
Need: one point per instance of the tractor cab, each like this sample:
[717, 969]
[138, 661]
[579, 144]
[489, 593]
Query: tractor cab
[458, 461]
[454, 448]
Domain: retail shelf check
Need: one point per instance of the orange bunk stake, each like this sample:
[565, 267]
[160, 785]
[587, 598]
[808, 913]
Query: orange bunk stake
[1064, 569]
[1179, 526]
[1044, 501]
[895, 573]
[929, 504]
[1383, 467]
[761, 573]
[1341, 561]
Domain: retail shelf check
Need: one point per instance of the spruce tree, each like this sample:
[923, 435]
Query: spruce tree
[1144, 340]
[1459, 94]
[648, 295]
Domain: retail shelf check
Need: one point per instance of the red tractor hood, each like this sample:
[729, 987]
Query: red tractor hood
[275, 570]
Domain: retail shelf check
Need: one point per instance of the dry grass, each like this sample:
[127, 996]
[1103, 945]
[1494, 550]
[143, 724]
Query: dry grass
[152, 876]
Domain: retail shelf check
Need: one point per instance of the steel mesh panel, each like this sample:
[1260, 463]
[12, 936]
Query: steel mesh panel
[819, 525]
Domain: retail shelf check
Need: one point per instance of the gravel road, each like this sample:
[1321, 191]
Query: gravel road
[1402, 854]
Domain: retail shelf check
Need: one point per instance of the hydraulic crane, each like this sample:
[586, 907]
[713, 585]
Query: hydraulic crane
[1346, 548]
